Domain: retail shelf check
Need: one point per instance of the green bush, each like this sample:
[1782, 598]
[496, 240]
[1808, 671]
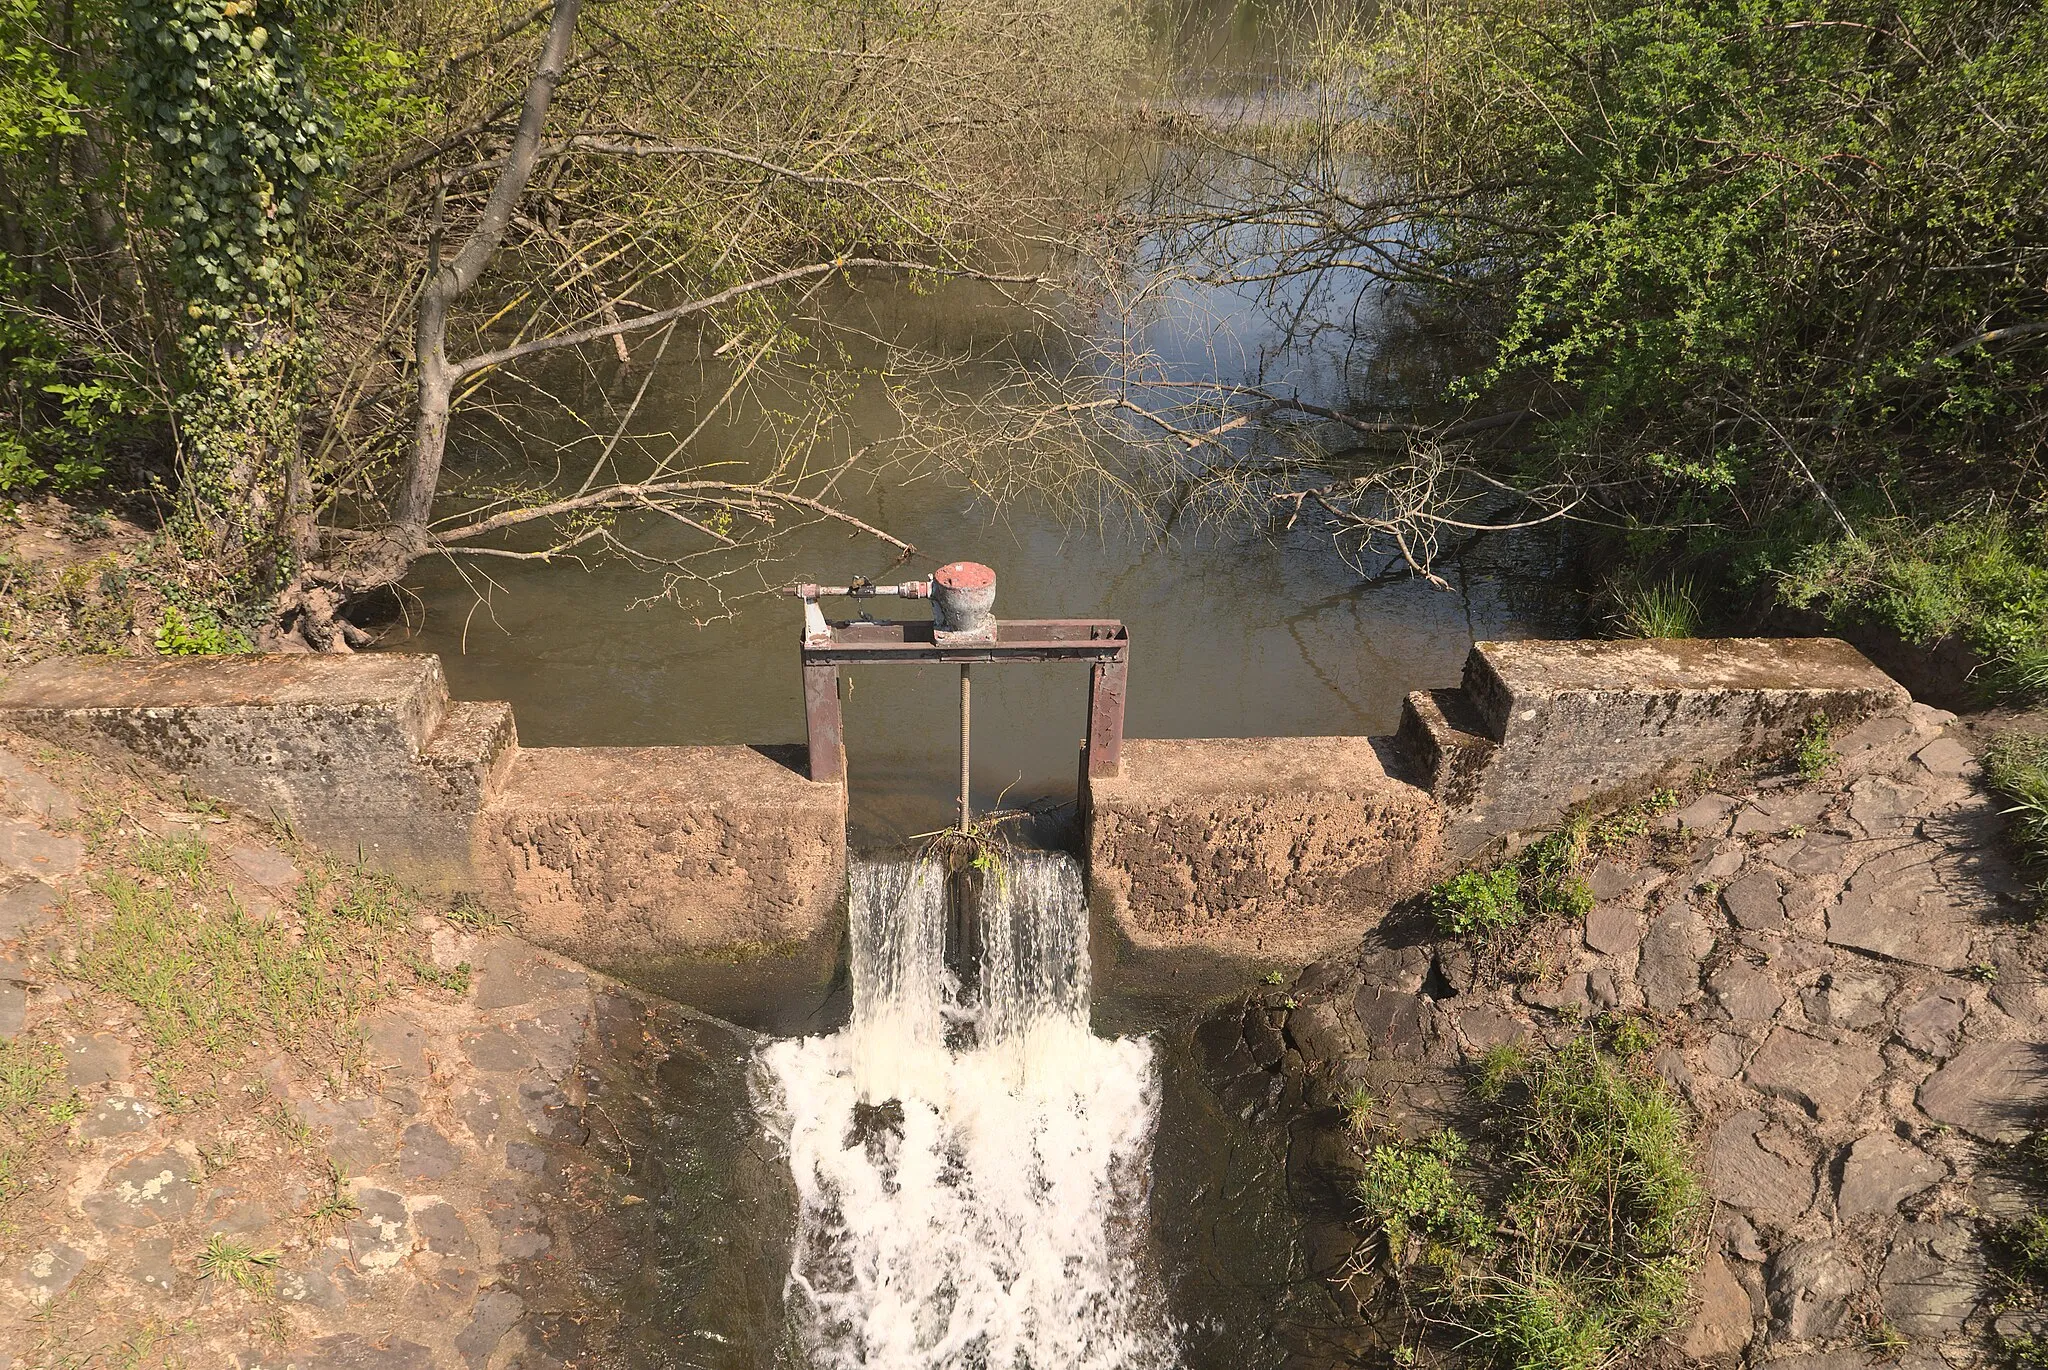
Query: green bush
[198, 632]
[1586, 1255]
[1545, 882]
[1478, 902]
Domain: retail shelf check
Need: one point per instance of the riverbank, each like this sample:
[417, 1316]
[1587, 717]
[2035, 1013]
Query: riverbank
[264, 1110]
[1844, 986]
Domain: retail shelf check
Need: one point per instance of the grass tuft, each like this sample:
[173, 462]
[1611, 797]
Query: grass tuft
[1816, 756]
[1661, 609]
[1585, 1254]
[2016, 764]
[1545, 882]
[237, 1263]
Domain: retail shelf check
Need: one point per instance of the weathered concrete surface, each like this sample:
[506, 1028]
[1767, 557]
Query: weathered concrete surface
[363, 755]
[1259, 848]
[613, 854]
[1573, 722]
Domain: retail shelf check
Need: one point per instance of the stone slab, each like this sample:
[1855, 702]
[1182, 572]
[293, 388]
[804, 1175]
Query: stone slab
[1992, 1090]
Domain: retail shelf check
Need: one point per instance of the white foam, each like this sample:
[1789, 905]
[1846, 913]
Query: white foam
[1000, 1224]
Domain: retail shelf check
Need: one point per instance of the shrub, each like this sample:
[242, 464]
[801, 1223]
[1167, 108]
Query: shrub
[1586, 1255]
[1478, 902]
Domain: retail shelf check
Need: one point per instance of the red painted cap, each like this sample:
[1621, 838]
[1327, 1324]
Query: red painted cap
[964, 575]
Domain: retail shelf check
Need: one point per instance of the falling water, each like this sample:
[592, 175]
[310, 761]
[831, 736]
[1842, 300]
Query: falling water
[972, 1162]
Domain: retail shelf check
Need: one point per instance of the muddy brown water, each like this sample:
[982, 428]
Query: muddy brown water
[1235, 632]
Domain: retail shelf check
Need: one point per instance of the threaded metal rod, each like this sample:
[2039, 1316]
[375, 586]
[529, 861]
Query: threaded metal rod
[966, 698]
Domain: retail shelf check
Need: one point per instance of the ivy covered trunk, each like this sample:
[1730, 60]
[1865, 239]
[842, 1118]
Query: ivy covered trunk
[239, 140]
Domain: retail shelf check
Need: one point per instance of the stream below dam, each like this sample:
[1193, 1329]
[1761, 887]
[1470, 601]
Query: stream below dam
[977, 1176]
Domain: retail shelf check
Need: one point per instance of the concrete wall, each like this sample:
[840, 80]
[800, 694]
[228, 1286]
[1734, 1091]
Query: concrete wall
[1288, 848]
[611, 855]
[1244, 851]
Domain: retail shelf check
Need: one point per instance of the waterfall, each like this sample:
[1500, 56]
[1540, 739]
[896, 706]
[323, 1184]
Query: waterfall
[972, 1162]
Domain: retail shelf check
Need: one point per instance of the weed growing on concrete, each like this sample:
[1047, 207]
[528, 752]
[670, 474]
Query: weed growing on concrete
[1624, 825]
[1544, 883]
[1815, 756]
[2018, 1246]
[455, 979]
[1592, 1224]
[237, 1263]
[1358, 1106]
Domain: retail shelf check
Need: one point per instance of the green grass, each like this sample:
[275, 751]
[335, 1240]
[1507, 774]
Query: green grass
[1572, 1244]
[2016, 765]
[30, 1105]
[237, 1263]
[179, 946]
[1642, 609]
[2018, 1246]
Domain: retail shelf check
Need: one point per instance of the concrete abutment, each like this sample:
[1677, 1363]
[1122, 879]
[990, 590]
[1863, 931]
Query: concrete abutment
[1238, 851]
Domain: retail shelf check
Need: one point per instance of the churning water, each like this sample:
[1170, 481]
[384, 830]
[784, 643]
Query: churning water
[971, 1161]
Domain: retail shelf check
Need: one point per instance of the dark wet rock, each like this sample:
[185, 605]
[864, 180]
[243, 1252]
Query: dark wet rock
[1934, 1278]
[497, 1312]
[265, 865]
[48, 1272]
[1826, 1078]
[424, 1154]
[1810, 1287]
[117, 1117]
[27, 908]
[146, 1191]
[1395, 1023]
[1669, 968]
[1743, 1174]
[1896, 907]
[27, 847]
[1614, 930]
[1724, 1321]
[1756, 902]
[1745, 993]
[1321, 1032]
[1847, 998]
[1881, 1172]
[1991, 1090]
[380, 1234]
[1458, 966]
[1219, 1039]
[1262, 1038]
[94, 1058]
[550, 1114]
[1931, 1024]
[445, 1231]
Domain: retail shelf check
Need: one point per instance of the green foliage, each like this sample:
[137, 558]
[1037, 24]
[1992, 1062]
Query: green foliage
[1771, 264]
[1586, 1255]
[1544, 883]
[36, 103]
[29, 1075]
[1411, 1192]
[2016, 764]
[1478, 902]
[2018, 1245]
[1631, 821]
[1815, 755]
[198, 632]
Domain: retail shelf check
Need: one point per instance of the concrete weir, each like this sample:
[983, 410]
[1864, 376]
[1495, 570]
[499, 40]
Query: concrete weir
[1241, 850]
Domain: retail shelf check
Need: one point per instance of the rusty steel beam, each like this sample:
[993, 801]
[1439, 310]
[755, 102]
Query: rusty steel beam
[1105, 755]
[1020, 639]
[824, 729]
